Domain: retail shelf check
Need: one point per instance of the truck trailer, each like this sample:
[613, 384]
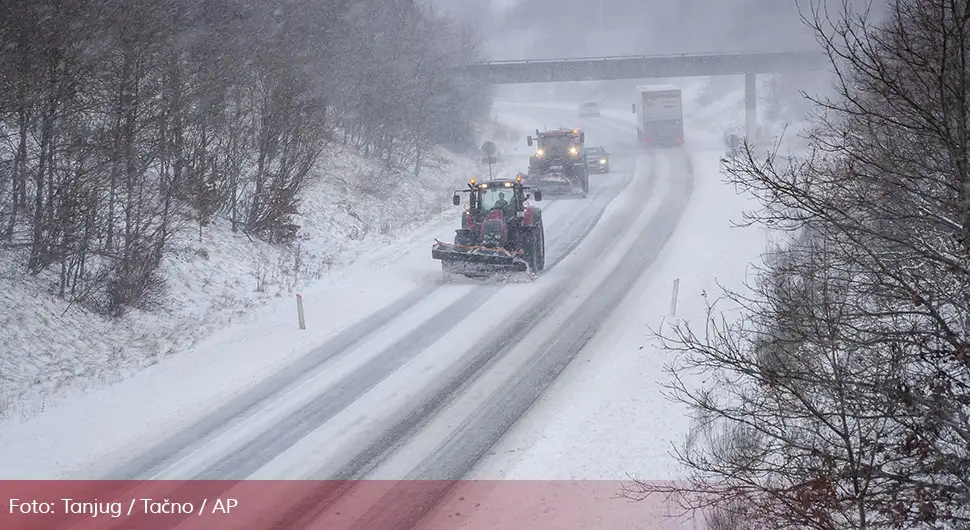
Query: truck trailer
[660, 116]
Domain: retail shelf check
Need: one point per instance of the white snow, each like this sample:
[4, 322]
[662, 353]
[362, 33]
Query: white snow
[590, 261]
[137, 411]
[606, 416]
[355, 213]
[69, 370]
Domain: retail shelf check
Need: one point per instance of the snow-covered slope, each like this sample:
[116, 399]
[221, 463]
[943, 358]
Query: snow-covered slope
[354, 210]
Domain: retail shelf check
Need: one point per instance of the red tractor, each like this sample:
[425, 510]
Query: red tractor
[499, 232]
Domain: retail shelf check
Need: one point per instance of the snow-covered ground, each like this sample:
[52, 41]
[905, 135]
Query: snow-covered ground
[606, 417]
[170, 395]
[355, 213]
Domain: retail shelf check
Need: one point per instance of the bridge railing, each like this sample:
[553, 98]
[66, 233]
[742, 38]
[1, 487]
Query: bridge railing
[652, 56]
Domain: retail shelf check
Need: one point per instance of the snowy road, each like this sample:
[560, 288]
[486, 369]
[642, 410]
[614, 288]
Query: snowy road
[359, 390]
[425, 386]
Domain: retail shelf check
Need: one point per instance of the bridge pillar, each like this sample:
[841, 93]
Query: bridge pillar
[750, 106]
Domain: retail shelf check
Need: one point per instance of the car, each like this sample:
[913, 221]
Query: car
[597, 160]
[589, 108]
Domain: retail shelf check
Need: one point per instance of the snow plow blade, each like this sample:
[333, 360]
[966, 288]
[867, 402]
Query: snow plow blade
[488, 259]
[556, 184]
[481, 262]
[559, 187]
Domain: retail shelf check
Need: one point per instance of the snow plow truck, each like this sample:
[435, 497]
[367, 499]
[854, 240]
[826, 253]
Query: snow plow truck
[559, 165]
[500, 232]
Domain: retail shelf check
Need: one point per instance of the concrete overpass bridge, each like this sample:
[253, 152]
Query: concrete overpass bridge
[748, 64]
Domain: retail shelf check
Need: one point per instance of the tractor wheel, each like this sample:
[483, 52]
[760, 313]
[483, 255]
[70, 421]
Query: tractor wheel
[541, 244]
[531, 245]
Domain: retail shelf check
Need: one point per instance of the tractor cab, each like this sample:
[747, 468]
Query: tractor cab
[565, 145]
[506, 196]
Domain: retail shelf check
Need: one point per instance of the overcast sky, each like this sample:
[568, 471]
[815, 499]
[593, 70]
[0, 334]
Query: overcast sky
[536, 29]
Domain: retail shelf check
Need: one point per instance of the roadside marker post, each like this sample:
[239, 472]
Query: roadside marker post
[673, 298]
[299, 310]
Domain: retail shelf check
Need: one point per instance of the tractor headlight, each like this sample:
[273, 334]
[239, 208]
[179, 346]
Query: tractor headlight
[572, 150]
[540, 153]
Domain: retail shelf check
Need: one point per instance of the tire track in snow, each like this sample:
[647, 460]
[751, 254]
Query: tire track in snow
[237, 409]
[234, 412]
[479, 359]
[285, 433]
[272, 442]
[469, 442]
[453, 460]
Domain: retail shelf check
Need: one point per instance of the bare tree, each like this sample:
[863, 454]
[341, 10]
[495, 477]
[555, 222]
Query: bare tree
[840, 399]
[120, 122]
[399, 97]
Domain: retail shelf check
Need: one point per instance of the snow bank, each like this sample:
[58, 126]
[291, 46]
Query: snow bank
[607, 416]
[354, 211]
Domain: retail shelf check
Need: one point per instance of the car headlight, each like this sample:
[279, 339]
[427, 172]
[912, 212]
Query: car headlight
[540, 153]
[602, 161]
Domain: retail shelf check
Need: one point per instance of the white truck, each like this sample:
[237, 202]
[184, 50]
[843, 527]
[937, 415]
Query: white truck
[660, 116]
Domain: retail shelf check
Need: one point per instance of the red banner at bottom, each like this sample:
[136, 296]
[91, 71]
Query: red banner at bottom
[333, 505]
